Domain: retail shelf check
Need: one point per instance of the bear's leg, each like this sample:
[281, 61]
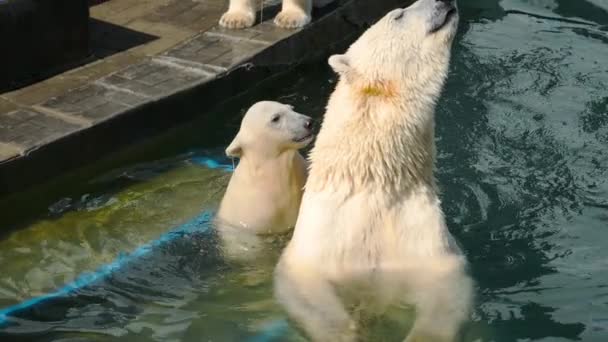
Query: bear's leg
[240, 14]
[441, 309]
[294, 14]
[240, 246]
[312, 303]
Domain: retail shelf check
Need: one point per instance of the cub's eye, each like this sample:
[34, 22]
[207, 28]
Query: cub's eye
[275, 118]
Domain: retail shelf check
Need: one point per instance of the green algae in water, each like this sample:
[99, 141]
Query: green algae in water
[50, 253]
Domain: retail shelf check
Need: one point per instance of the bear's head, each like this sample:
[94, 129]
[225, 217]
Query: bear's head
[407, 50]
[269, 129]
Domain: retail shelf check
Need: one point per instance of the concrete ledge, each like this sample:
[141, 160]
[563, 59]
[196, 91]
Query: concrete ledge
[146, 98]
[41, 37]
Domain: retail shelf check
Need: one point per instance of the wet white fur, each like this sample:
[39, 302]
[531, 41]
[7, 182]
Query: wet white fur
[294, 13]
[371, 232]
[265, 190]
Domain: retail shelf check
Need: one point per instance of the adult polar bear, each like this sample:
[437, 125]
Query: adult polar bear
[371, 233]
[294, 13]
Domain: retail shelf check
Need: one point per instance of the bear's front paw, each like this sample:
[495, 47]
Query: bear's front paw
[237, 20]
[291, 19]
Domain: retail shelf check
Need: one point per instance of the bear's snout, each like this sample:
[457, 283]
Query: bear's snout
[309, 124]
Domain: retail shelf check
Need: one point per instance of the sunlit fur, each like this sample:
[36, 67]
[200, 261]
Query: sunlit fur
[294, 13]
[371, 232]
[265, 191]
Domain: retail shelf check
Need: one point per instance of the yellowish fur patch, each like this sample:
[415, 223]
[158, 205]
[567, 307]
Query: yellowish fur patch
[370, 231]
[384, 89]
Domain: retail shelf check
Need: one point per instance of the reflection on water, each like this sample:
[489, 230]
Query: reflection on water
[528, 197]
[522, 135]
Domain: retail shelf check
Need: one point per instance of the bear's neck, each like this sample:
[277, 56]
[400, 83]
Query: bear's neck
[272, 167]
[382, 141]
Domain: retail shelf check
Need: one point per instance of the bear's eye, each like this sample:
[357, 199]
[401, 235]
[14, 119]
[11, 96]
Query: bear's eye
[275, 118]
[398, 15]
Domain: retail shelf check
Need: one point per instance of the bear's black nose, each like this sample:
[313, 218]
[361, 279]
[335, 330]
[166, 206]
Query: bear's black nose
[308, 124]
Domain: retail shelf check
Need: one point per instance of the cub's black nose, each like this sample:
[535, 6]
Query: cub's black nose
[308, 124]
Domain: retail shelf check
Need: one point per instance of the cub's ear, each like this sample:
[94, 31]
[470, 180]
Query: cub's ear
[341, 65]
[235, 149]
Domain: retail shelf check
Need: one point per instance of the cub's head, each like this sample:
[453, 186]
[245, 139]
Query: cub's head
[407, 49]
[270, 128]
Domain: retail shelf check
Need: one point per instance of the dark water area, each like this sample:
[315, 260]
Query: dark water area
[522, 139]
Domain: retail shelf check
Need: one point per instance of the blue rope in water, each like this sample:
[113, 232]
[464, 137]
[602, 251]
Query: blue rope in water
[198, 224]
[272, 332]
[89, 278]
[212, 163]
[86, 279]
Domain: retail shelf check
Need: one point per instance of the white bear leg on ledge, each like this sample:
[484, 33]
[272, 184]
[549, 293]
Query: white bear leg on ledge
[294, 14]
[240, 14]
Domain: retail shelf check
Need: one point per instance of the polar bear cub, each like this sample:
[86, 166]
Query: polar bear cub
[264, 193]
[294, 13]
[371, 233]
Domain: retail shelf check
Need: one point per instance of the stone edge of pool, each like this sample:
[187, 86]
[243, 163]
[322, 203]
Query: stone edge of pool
[148, 97]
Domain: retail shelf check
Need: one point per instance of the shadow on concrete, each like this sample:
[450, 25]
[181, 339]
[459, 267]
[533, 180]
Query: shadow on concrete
[40, 36]
[47, 38]
[96, 2]
[108, 39]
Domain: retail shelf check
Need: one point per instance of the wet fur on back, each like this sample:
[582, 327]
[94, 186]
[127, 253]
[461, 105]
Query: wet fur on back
[371, 232]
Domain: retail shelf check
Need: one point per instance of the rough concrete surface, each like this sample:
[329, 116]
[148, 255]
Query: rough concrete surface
[149, 56]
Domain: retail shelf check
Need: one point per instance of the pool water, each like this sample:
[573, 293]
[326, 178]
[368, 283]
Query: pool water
[522, 138]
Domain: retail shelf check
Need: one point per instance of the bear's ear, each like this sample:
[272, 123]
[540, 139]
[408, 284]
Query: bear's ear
[340, 64]
[235, 149]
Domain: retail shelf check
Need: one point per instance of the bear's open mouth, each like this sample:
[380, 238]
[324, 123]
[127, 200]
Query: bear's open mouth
[448, 17]
[309, 136]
